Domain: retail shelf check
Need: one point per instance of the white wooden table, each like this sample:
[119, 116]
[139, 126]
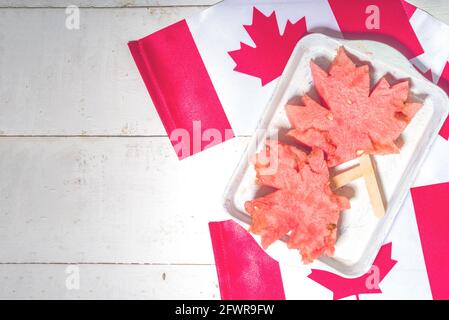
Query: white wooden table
[90, 188]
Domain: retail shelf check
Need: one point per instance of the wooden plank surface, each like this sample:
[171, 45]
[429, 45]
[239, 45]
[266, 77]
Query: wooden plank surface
[126, 200]
[103, 3]
[108, 282]
[438, 8]
[55, 81]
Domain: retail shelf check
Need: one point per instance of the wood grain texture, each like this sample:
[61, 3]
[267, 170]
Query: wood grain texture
[438, 8]
[126, 200]
[55, 81]
[103, 3]
[109, 282]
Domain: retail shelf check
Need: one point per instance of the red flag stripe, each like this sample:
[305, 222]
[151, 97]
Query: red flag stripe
[394, 26]
[245, 271]
[408, 8]
[181, 89]
[432, 215]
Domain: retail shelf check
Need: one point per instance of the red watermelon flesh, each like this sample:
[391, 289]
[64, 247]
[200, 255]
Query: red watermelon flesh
[278, 165]
[353, 121]
[303, 203]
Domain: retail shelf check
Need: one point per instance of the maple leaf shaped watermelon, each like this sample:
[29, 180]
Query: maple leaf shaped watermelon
[302, 205]
[270, 55]
[353, 121]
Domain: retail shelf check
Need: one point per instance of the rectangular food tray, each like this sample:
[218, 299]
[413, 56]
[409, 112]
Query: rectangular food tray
[360, 233]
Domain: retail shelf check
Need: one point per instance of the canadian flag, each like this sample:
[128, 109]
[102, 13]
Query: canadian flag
[210, 77]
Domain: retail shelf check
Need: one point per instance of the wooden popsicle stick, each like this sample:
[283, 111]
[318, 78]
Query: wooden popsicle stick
[372, 185]
[366, 170]
[346, 177]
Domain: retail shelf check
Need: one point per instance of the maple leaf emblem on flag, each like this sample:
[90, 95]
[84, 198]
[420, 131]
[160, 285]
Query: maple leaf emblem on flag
[272, 50]
[365, 284]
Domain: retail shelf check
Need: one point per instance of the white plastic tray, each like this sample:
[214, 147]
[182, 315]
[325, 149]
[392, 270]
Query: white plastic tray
[361, 233]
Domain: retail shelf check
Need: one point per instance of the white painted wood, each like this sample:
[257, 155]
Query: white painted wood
[55, 81]
[110, 199]
[438, 8]
[103, 3]
[109, 282]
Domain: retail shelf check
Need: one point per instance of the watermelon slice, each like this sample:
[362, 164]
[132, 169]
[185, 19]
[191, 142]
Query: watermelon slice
[353, 121]
[303, 203]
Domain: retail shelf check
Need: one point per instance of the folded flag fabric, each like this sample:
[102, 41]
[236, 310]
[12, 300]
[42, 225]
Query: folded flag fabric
[248, 274]
[180, 87]
[210, 77]
[432, 216]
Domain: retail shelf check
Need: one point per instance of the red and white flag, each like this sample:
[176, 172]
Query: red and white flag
[210, 77]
